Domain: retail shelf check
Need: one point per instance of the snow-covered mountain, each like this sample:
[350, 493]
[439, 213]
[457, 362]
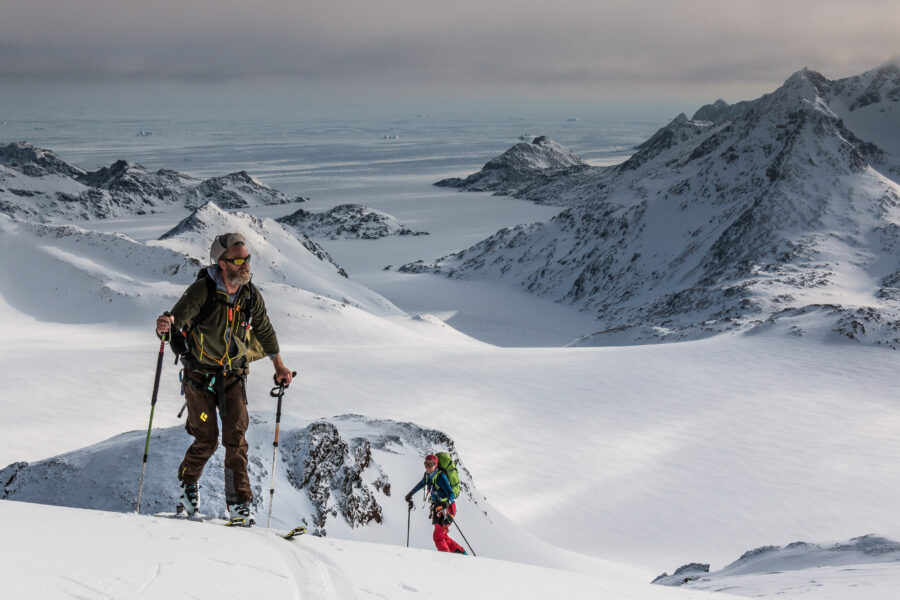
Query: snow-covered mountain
[347, 221]
[780, 215]
[111, 277]
[238, 190]
[797, 568]
[36, 162]
[524, 165]
[36, 184]
[194, 232]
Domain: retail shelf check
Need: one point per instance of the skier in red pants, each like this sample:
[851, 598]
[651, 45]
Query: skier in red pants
[443, 505]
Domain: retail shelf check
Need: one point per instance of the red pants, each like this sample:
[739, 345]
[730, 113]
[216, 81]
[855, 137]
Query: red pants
[441, 535]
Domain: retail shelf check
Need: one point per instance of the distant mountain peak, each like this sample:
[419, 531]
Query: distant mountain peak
[36, 162]
[239, 190]
[347, 221]
[526, 160]
[108, 177]
[122, 188]
[541, 153]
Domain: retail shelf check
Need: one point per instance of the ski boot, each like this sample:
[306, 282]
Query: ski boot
[240, 515]
[188, 504]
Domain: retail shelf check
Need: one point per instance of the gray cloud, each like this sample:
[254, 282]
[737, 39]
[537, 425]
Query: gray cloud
[570, 45]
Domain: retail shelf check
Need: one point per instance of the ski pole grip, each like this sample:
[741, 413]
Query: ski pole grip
[168, 335]
[280, 384]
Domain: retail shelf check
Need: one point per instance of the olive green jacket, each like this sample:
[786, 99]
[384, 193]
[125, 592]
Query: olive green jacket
[224, 338]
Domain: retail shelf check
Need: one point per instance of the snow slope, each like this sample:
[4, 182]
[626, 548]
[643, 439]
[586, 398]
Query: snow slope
[110, 555]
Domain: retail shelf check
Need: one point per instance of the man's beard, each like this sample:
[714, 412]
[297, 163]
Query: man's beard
[237, 278]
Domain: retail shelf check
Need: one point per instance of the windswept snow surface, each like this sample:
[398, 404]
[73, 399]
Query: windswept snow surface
[71, 553]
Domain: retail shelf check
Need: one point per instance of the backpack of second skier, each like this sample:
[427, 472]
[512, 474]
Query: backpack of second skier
[446, 465]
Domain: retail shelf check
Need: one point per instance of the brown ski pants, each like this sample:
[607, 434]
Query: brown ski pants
[203, 425]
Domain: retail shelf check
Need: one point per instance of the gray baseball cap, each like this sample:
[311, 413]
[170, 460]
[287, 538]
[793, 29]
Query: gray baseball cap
[222, 243]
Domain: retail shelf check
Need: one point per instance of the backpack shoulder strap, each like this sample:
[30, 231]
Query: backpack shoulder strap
[210, 302]
[254, 293]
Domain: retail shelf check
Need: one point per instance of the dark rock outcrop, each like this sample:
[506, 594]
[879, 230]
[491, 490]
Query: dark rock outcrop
[347, 221]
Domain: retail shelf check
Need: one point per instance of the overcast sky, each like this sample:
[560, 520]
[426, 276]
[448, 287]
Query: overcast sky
[447, 48]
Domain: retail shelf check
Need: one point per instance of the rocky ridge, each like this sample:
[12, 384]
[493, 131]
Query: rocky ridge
[522, 166]
[780, 216]
[36, 184]
[347, 221]
[338, 472]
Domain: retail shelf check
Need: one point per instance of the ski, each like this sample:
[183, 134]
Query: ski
[235, 522]
[239, 522]
[183, 515]
[294, 533]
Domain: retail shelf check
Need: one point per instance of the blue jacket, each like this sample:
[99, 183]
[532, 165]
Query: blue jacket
[439, 485]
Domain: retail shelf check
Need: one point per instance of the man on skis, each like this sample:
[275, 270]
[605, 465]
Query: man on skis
[214, 319]
[443, 505]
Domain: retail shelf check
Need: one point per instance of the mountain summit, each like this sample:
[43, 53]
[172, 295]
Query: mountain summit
[528, 161]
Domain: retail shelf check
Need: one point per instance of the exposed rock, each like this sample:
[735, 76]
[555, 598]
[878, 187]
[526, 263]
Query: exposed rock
[334, 466]
[238, 190]
[347, 221]
[683, 574]
[125, 179]
[36, 162]
[522, 165]
[38, 185]
[720, 111]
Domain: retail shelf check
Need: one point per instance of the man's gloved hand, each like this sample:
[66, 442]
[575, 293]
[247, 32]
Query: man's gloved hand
[409, 501]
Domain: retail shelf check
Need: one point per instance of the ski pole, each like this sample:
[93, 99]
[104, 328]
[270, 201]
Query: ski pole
[464, 537]
[159, 362]
[277, 392]
[408, 513]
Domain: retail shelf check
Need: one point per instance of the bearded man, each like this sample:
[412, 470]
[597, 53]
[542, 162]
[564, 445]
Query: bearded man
[221, 320]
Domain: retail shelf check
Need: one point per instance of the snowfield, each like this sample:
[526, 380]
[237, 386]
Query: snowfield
[151, 557]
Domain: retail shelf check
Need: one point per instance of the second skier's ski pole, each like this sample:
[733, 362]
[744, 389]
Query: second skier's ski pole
[408, 513]
[464, 537]
[159, 362]
[277, 392]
